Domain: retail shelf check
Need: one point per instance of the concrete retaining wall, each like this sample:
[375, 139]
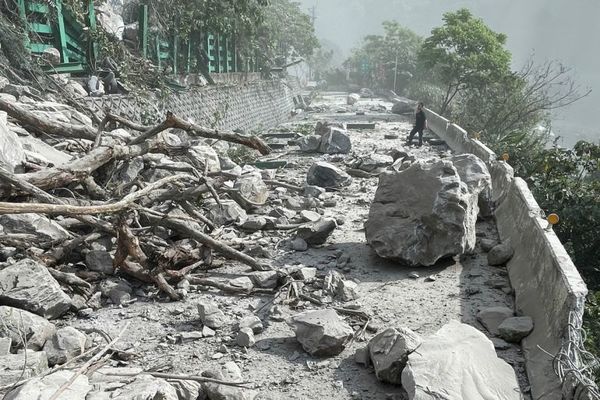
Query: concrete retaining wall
[248, 106]
[547, 285]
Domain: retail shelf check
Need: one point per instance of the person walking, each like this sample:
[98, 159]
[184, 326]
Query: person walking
[420, 125]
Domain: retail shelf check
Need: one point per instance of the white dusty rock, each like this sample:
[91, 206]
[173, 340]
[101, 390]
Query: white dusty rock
[111, 21]
[252, 322]
[251, 187]
[335, 141]
[11, 151]
[327, 175]
[43, 388]
[34, 224]
[422, 214]
[65, 344]
[187, 390]
[337, 286]
[352, 99]
[492, 317]
[37, 329]
[313, 191]
[28, 285]
[228, 212]
[211, 315]
[232, 373]
[322, 332]
[146, 387]
[12, 365]
[459, 363]
[206, 155]
[515, 328]
[317, 232]
[500, 254]
[38, 149]
[389, 353]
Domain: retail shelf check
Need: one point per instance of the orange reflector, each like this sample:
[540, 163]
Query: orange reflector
[553, 219]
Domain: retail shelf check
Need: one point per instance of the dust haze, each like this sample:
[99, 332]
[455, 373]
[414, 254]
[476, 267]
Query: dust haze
[547, 30]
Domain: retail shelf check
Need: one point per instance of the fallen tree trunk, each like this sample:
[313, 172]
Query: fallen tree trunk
[174, 121]
[29, 118]
[67, 209]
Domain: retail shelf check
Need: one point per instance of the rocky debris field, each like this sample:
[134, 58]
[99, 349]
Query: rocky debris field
[163, 263]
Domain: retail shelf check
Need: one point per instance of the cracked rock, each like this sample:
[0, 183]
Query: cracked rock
[322, 332]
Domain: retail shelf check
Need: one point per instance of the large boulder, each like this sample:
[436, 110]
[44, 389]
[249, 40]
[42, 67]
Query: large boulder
[475, 174]
[33, 224]
[11, 151]
[43, 388]
[335, 141]
[326, 175]
[65, 344]
[37, 330]
[28, 285]
[422, 214]
[322, 332]
[459, 362]
[389, 353]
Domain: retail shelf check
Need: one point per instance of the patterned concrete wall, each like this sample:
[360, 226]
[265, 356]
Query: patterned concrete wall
[247, 106]
[250, 106]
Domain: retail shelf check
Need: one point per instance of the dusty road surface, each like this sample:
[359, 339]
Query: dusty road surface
[391, 295]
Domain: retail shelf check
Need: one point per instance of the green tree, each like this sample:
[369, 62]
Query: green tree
[286, 31]
[383, 60]
[465, 53]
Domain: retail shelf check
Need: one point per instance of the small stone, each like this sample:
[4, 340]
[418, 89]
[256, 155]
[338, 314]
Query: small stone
[211, 315]
[299, 244]
[413, 275]
[99, 261]
[515, 328]
[431, 278]
[390, 136]
[487, 244]
[361, 356]
[217, 356]
[322, 332]
[500, 254]
[207, 332]
[243, 282]
[310, 216]
[265, 279]
[306, 274]
[186, 337]
[64, 345]
[252, 322]
[245, 338]
[500, 344]
[492, 317]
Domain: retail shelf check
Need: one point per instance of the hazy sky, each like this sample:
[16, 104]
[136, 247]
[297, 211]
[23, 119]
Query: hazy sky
[567, 31]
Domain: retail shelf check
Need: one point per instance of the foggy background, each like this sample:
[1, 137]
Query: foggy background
[547, 29]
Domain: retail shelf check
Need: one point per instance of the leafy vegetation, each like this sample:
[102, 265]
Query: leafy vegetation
[384, 60]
